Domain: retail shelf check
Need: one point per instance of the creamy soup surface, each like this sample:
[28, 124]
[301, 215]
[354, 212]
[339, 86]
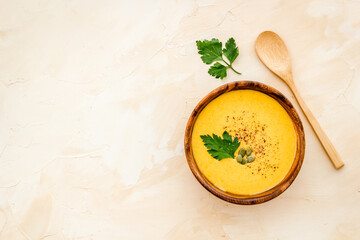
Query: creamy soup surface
[261, 123]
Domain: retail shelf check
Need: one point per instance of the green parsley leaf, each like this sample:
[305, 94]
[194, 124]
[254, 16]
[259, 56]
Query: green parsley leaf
[211, 51]
[220, 148]
[230, 51]
[218, 70]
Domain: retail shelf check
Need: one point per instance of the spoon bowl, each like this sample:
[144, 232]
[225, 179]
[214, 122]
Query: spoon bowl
[275, 56]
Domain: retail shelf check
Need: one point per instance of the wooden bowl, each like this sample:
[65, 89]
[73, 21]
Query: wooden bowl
[300, 144]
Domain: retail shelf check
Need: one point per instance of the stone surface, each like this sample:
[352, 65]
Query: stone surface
[95, 97]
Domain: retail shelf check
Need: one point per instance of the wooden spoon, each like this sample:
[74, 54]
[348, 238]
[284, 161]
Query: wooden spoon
[272, 51]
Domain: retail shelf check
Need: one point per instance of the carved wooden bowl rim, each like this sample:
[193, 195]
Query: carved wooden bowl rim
[300, 144]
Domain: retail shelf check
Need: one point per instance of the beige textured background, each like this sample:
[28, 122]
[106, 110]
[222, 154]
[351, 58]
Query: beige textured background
[94, 99]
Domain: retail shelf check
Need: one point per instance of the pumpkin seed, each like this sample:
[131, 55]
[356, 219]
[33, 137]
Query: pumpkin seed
[242, 152]
[249, 151]
[250, 158]
[239, 158]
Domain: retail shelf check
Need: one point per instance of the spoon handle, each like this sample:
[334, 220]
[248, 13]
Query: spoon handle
[324, 140]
